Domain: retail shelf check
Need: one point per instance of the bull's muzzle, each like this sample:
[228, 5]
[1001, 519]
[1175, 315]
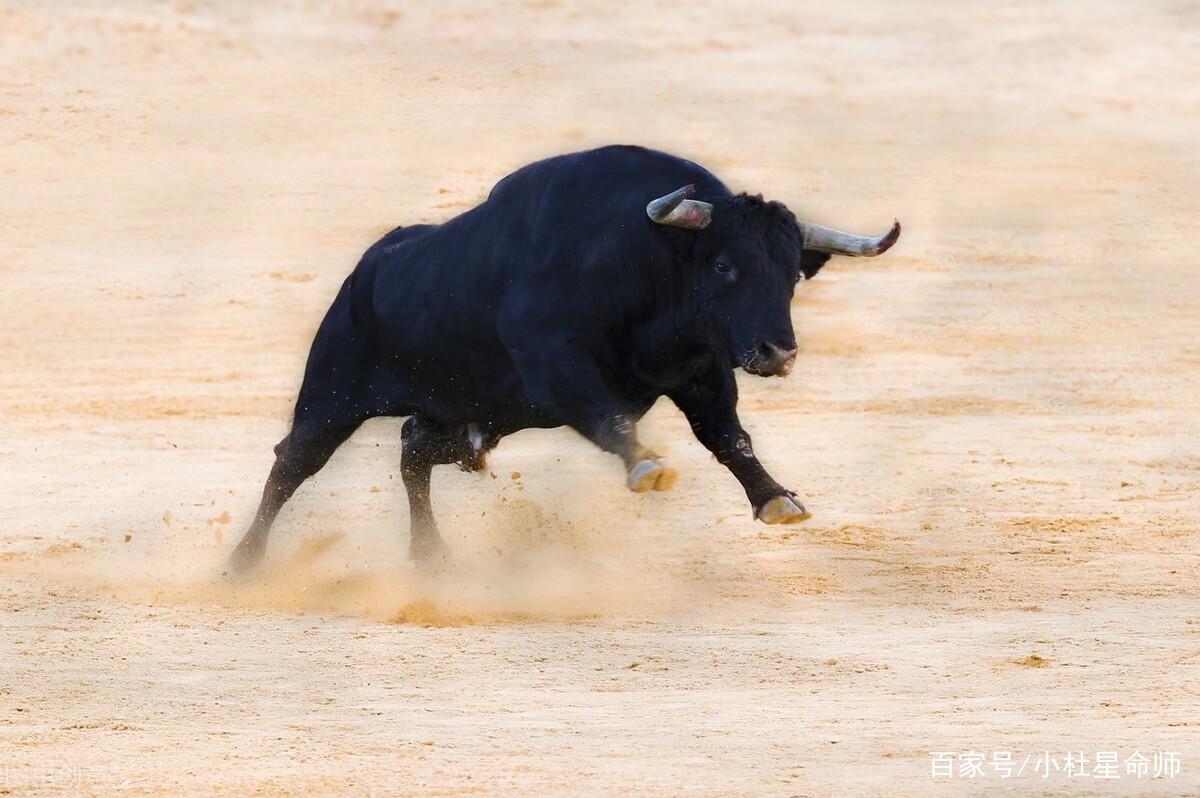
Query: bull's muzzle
[769, 360]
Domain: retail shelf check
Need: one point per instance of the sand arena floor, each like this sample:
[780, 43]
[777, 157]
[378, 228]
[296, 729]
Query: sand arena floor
[996, 424]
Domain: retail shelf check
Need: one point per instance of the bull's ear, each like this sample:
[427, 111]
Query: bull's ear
[811, 262]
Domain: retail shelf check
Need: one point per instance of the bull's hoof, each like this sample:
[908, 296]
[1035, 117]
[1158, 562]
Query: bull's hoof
[245, 558]
[428, 550]
[652, 474]
[786, 509]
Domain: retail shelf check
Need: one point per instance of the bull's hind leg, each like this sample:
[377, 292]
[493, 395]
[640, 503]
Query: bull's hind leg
[344, 385]
[427, 444]
[424, 447]
[297, 457]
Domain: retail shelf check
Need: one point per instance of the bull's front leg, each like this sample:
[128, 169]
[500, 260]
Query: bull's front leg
[710, 404]
[565, 381]
[645, 469]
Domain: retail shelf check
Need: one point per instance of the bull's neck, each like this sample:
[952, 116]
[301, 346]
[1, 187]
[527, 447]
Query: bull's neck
[667, 348]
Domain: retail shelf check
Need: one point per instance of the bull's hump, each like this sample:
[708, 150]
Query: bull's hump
[615, 168]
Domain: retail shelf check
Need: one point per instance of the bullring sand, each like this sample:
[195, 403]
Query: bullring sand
[995, 424]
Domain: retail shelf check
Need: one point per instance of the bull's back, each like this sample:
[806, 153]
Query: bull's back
[556, 233]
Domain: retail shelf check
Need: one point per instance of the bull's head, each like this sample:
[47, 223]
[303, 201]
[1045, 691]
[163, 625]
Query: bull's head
[748, 261]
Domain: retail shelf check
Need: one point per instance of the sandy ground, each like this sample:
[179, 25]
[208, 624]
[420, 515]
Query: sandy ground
[996, 424]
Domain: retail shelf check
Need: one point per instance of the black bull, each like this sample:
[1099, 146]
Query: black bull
[586, 287]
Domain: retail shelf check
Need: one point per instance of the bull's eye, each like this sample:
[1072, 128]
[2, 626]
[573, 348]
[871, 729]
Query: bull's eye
[724, 268]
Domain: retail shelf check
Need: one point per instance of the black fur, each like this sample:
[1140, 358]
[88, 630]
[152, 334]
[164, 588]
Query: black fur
[555, 302]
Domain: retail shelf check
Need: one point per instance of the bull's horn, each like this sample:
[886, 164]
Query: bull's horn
[677, 210]
[826, 239]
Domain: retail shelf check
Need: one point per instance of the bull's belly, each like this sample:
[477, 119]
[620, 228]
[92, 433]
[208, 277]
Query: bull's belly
[499, 402]
[464, 392]
[479, 383]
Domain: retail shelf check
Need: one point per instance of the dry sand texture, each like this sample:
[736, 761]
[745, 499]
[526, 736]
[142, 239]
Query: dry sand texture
[996, 423]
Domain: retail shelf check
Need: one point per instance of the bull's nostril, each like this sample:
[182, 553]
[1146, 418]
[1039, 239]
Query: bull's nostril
[766, 351]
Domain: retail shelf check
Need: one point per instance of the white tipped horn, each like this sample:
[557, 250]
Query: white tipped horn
[826, 239]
